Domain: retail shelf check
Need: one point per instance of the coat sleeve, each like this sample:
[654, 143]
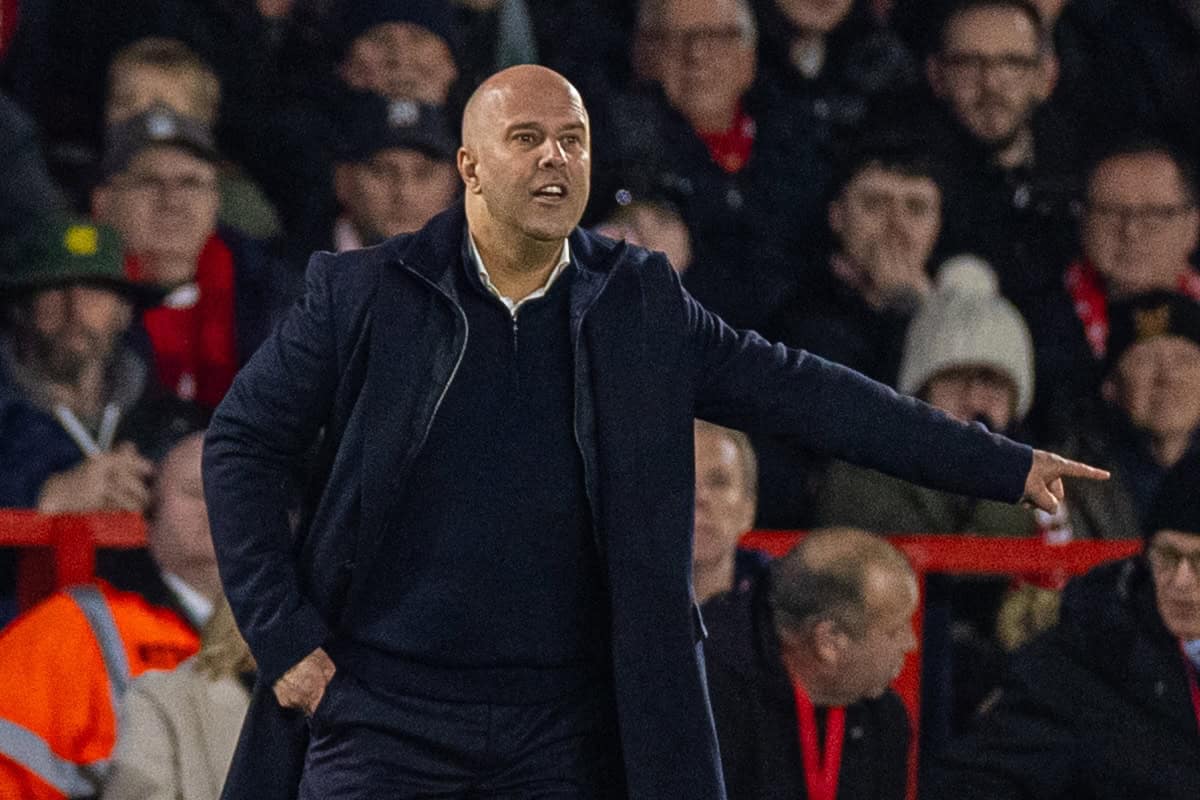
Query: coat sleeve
[744, 382]
[266, 423]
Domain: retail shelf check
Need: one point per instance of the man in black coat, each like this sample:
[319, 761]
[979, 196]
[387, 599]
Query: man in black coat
[806, 657]
[1106, 704]
[492, 556]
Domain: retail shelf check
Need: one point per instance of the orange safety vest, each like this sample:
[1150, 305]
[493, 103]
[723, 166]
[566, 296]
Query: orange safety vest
[64, 667]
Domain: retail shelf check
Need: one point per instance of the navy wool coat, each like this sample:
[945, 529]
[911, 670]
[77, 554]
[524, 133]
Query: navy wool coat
[359, 366]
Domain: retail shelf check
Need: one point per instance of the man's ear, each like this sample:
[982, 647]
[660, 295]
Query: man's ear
[1049, 76]
[468, 170]
[343, 183]
[102, 202]
[935, 75]
[829, 641]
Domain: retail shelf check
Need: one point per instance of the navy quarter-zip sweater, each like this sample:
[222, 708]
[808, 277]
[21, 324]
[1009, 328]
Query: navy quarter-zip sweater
[487, 587]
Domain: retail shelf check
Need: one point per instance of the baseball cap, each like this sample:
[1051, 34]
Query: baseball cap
[1148, 315]
[158, 125]
[372, 123]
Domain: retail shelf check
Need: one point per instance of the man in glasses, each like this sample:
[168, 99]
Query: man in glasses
[1106, 704]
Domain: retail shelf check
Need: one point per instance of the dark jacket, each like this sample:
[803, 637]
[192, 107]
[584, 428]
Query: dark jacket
[365, 358]
[1097, 708]
[755, 713]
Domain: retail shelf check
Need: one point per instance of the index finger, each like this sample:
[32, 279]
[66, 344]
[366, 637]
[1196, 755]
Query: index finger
[1077, 469]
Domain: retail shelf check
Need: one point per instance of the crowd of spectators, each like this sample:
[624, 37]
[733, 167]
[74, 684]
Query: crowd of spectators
[991, 205]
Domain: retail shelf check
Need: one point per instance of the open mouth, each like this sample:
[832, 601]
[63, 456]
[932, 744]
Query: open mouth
[552, 191]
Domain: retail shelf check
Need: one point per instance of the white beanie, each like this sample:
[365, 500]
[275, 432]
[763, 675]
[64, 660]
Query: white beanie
[967, 323]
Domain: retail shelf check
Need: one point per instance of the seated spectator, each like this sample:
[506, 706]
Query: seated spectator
[66, 663]
[178, 729]
[395, 170]
[726, 485]
[856, 303]
[1099, 707]
[649, 218]
[798, 669]
[1150, 418]
[747, 165]
[79, 410]
[968, 353]
[158, 70]
[160, 193]
[1014, 159]
[1139, 231]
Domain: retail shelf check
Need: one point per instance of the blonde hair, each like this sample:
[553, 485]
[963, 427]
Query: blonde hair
[223, 651]
[180, 62]
[745, 451]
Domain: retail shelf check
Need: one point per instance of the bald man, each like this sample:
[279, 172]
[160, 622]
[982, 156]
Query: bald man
[488, 591]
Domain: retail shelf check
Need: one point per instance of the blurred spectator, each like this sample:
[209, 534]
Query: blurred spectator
[799, 669]
[885, 219]
[868, 280]
[159, 70]
[67, 662]
[178, 729]
[1139, 232]
[396, 170]
[650, 219]
[160, 192]
[78, 410]
[968, 353]
[1150, 419]
[746, 165]
[726, 486]
[1014, 158]
[1099, 707]
[833, 57]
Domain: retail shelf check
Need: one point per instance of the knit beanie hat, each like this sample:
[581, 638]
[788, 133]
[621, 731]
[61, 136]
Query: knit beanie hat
[1177, 505]
[967, 323]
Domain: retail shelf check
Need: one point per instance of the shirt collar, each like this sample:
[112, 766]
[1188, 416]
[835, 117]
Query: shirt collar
[564, 259]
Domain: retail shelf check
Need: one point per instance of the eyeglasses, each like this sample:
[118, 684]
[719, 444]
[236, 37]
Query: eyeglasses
[676, 42]
[189, 186]
[1151, 217]
[1008, 66]
[1167, 559]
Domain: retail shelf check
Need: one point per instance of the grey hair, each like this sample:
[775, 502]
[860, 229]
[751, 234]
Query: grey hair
[651, 12]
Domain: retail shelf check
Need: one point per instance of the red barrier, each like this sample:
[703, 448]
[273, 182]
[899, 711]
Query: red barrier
[58, 550]
[965, 555]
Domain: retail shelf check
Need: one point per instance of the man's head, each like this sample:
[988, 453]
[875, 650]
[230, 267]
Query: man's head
[994, 68]
[67, 300]
[400, 49]
[726, 492]
[1141, 223]
[1173, 550]
[968, 350]
[815, 16]
[1153, 363]
[396, 166]
[526, 155]
[178, 533]
[160, 190]
[702, 52]
[647, 214]
[843, 602]
[159, 70]
[887, 210]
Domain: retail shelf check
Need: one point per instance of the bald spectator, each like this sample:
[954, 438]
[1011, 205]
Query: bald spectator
[726, 492]
[799, 668]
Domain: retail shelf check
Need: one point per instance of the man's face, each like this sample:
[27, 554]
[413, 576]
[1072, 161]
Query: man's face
[179, 535]
[164, 204]
[702, 56]
[655, 228]
[401, 61]
[815, 16]
[974, 393]
[1140, 225]
[992, 73]
[1158, 385]
[724, 505]
[887, 218]
[1174, 558]
[137, 87]
[395, 191]
[74, 327]
[532, 165]
[872, 661]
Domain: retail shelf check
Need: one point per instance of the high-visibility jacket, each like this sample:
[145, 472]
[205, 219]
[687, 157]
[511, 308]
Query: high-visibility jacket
[64, 666]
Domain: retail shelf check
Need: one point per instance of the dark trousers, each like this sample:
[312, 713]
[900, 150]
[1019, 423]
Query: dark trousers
[368, 744]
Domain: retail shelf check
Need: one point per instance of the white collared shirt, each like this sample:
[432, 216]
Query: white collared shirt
[513, 305]
[197, 607]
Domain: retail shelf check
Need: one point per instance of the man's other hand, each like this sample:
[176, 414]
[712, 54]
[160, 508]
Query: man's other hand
[303, 686]
[1044, 486]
